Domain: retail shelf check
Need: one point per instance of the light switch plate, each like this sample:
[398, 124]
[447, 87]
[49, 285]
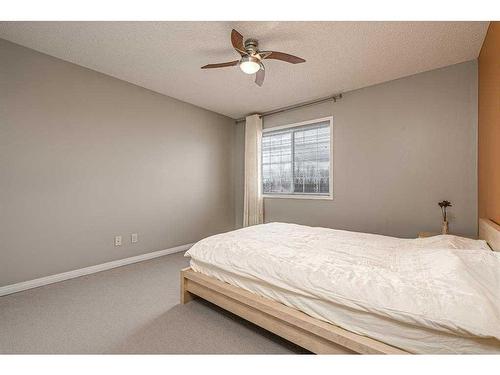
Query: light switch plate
[134, 238]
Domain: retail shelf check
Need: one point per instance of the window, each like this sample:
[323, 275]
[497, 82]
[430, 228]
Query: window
[296, 160]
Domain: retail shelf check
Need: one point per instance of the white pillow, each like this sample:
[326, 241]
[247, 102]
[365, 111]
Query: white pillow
[448, 241]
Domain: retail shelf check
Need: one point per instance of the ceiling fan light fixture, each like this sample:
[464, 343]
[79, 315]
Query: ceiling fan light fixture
[250, 64]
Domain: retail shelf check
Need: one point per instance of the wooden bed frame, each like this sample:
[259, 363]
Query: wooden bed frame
[310, 333]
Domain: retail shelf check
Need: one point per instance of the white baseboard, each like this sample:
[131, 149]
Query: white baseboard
[14, 288]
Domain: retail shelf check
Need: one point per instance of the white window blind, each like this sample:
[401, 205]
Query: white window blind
[296, 160]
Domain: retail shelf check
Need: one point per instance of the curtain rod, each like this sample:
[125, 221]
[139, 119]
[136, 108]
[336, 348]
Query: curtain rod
[295, 106]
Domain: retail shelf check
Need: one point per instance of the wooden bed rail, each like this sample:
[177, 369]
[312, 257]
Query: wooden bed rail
[315, 335]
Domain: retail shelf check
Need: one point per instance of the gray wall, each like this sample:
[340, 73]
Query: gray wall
[399, 148]
[85, 157]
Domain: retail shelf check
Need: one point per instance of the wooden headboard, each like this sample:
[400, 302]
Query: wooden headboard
[490, 232]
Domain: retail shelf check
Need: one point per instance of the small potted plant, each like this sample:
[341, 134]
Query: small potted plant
[444, 205]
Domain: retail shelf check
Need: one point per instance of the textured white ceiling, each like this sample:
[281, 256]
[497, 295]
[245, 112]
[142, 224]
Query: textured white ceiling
[166, 56]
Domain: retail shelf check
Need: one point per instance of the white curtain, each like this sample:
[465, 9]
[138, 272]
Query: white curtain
[253, 207]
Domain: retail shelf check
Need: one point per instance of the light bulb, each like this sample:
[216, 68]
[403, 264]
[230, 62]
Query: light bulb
[250, 64]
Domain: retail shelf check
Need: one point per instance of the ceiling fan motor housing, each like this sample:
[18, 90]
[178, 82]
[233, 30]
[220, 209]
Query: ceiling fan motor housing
[251, 46]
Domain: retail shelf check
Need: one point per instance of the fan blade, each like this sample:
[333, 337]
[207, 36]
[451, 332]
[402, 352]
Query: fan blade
[282, 56]
[263, 54]
[237, 42]
[259, 77]
[221, 65]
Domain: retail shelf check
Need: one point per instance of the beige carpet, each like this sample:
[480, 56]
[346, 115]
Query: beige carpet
[131, 309]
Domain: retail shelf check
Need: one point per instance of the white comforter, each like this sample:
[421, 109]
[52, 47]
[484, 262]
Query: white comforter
[445, 283]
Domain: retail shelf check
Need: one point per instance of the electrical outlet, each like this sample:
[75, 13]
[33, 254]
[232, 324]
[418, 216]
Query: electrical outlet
[134, 238]
[118, 240]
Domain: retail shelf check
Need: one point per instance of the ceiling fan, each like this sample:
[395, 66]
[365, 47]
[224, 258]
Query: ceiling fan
[251, 57]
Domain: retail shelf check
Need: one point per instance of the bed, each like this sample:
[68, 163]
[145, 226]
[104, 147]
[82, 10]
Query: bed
[344, 292]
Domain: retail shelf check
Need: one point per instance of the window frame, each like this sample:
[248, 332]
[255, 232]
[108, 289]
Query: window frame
[315, 196]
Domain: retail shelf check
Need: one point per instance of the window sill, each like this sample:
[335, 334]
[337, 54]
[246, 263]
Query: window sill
[299, 196]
